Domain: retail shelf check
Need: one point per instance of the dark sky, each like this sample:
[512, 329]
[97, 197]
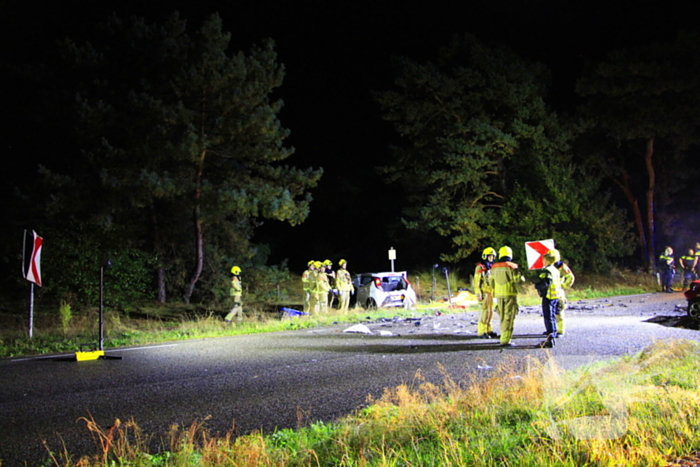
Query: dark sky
[335, 54]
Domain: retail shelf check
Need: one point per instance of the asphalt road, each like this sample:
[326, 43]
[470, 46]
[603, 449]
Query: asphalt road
[289, 378]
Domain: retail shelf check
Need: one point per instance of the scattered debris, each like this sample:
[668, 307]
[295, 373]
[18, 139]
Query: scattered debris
[386, 333]
[463, 299]
[359, 328]
[292, 313]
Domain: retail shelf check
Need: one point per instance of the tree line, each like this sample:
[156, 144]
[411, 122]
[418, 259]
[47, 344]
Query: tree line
[486, 161]
[169, 153]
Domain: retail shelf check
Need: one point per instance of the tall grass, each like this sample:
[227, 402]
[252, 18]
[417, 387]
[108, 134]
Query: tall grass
[65, 311]
[637, 411]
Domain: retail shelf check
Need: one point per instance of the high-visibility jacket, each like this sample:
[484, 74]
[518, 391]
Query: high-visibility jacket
[551, 273]
[321, 284]
[503, 279]
[481, 278]
[666, 262]
[307, 280]
[236, 286]
[687, 262]
[567, 276]
[343, 280]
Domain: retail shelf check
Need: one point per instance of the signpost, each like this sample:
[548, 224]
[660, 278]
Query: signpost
[31, 270]
[392, 257]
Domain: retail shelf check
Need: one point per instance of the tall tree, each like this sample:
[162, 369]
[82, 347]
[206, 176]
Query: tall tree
[484, 160]
[177, 133]
[645, 102]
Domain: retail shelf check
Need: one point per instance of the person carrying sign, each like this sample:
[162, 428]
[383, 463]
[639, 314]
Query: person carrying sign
[549, 289]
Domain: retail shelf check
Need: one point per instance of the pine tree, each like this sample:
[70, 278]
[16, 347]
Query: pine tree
[180, 135]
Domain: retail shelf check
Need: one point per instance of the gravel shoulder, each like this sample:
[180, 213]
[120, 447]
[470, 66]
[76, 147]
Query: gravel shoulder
[660, 308]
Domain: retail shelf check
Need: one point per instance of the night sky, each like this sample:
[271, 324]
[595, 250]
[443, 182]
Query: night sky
[335, 54]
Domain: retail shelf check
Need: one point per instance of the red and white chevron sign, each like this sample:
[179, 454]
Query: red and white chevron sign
[535, 252]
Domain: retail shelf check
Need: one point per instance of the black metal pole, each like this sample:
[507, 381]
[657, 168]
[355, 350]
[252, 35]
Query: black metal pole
[102, 283]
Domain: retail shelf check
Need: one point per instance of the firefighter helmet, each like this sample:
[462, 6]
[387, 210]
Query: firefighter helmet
[341, 262]
[552, 256]
[505, 251]
[310, 263]
[318, 264]
[328, 263]
[488, 251]
[235, 270]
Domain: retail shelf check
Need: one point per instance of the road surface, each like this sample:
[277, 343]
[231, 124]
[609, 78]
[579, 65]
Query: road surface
[289, 378]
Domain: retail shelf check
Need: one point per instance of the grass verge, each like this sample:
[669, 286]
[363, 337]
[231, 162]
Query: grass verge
[635, 411]
[66, 329]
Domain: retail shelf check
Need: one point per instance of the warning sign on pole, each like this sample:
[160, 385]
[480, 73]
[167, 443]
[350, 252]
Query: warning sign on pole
[535, 252]
[31, 264]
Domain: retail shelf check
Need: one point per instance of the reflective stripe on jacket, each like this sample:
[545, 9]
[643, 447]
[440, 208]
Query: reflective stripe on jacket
[503, 279]
[552, 273]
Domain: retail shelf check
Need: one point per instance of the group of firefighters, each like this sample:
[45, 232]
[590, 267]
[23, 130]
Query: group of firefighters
[499, 280]
[493, 282]
[689, 266]
[322, 286]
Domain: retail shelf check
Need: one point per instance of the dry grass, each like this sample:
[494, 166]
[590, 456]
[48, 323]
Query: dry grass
[637, 411]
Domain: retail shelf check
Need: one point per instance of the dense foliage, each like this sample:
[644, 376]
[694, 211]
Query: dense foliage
[178, 151]
[161, 149]
[644, 103]
[487, 163]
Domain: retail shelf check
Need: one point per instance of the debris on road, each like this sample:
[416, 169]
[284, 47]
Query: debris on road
[359, 328]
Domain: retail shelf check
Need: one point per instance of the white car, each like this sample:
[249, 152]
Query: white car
[384, 289]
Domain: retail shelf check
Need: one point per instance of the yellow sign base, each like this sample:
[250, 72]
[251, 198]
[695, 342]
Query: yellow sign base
[94, 355]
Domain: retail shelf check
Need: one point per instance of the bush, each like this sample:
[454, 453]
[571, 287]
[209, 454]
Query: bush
[71, 263]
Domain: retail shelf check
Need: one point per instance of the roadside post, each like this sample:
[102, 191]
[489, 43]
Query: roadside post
[31, 271]
[432, 287]
[447, 279]
[98, 348]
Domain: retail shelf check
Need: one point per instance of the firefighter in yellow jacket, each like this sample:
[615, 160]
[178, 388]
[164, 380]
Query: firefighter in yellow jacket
[567, 280]
[321, 287]
[505, 275]
[484, 293]
[308, 285]
[235, 292]
[343, 283]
